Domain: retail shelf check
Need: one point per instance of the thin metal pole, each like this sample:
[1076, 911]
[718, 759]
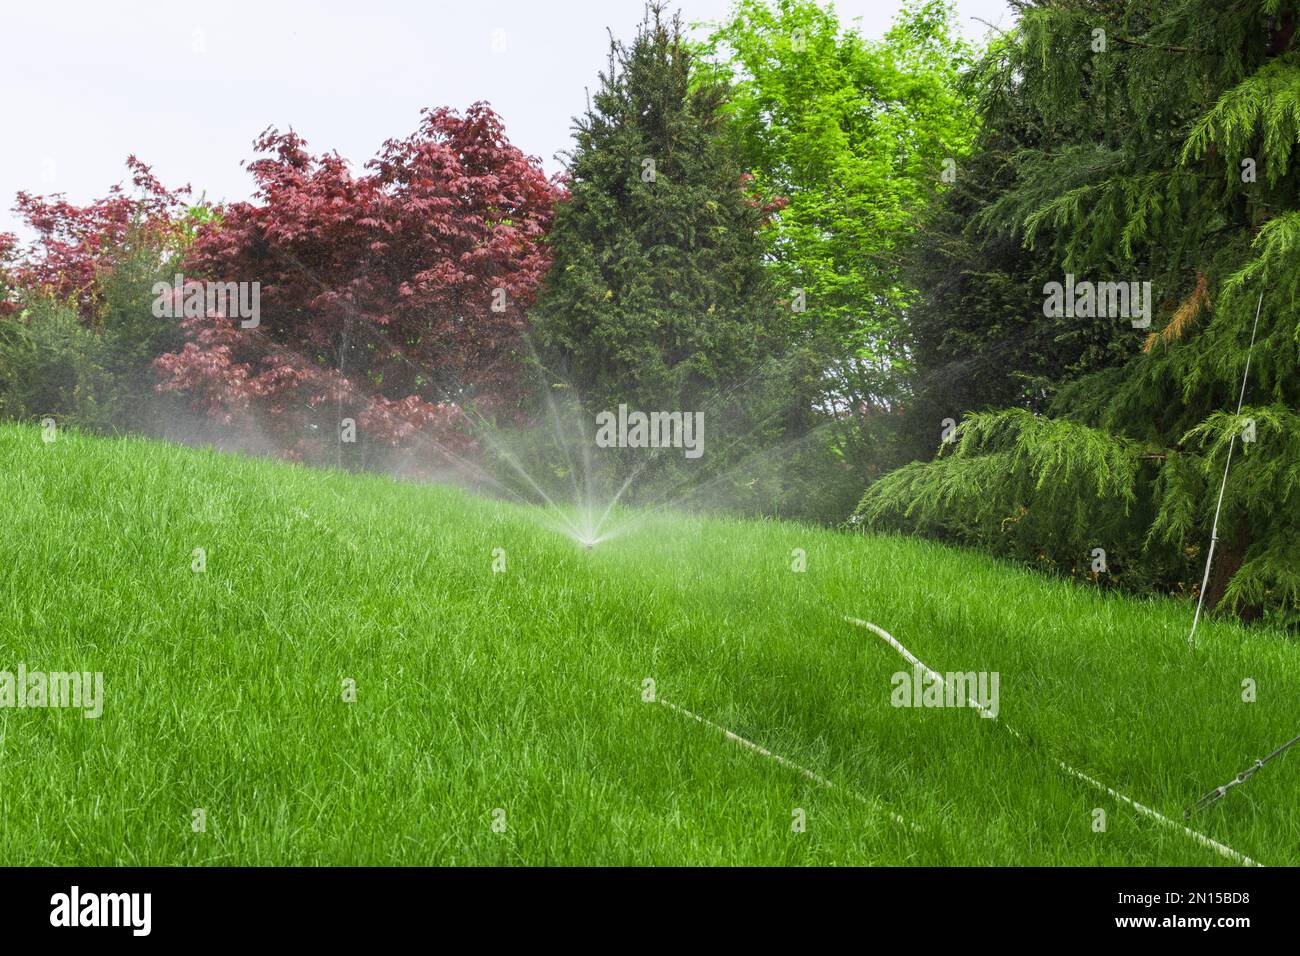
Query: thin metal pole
[1232, 443]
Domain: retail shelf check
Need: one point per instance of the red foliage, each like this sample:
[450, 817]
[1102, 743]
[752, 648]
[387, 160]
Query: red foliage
[395, 269]
[75, 243]
[769, 206]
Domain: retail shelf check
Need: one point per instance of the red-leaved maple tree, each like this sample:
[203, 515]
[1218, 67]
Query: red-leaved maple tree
[387, 297]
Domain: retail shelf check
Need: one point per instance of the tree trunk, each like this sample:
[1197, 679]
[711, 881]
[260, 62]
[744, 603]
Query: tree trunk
[1228, 559]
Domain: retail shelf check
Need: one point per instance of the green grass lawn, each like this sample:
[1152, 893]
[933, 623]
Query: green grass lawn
[522, 690]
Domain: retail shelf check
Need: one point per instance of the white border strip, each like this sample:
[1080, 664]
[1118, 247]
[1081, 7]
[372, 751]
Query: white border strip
[788, 764]
[1224, 851]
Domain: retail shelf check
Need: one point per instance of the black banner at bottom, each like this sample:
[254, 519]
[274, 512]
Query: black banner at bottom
[977, 906]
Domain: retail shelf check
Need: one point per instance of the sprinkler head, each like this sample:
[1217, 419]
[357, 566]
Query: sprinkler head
[588, 545]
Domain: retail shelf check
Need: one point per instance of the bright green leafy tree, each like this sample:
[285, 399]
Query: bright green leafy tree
[856, 137]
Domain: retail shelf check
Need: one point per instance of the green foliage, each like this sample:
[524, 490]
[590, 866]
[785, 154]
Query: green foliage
[51, 365]
[852, 135]
[1262, 110]
[976, 333]
[847, 138]
[97, 375]
[131, 336]
[657, 295]
[1129, 166]
[1045, 490]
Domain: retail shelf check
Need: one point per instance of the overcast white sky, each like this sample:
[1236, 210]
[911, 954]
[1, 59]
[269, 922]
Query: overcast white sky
[188, 86]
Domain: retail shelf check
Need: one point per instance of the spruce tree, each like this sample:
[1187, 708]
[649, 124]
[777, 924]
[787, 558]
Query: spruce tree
[657, 296]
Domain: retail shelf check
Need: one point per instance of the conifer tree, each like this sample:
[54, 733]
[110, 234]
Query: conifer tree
[657, 296]
[975, 332]
[1170, 160]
